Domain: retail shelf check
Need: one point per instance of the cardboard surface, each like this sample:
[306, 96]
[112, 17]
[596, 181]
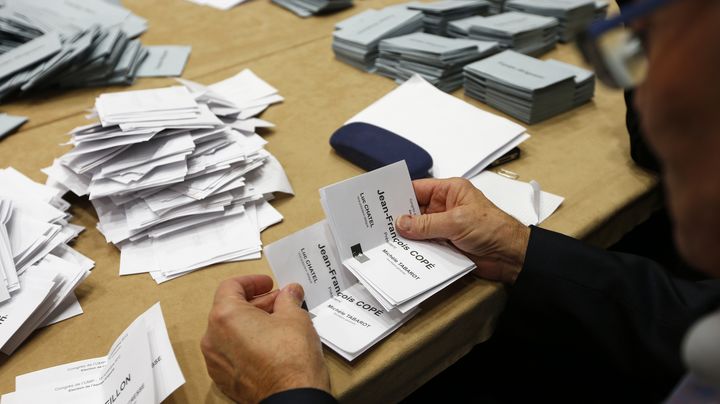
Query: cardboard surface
[582, 155]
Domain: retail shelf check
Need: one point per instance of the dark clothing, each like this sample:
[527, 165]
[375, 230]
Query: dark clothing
[300, 396]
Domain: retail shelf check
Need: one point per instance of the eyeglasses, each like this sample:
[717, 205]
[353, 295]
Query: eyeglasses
[615, 50]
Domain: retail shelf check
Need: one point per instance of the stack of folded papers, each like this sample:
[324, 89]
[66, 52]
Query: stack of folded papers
[10, 123]
[526, 33]
[601, 9]
[496, 6]
[461, 28]
[75, 43]
[307, 8]
[356, 40]
[529, 89]
[362, 279]
[584, 81]
[439, 13]
[418, 112]
[38, 270]
[439, 60]
[140, 367]
[177, 175]
[573, 15]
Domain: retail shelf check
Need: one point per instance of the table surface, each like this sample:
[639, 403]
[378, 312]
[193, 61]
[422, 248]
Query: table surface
[582, 155]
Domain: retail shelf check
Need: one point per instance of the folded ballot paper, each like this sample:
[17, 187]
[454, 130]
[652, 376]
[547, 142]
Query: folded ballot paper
[522, 200]
[346, 316]
[439, 13]
[140, 368]
[437, 59]
[573, 15]
[38, 270]
[356, 40]
[529, 89]
[439, 122]
[10, 123]
[74, 43]
[177, 175]
[219, 4]
[399, 273]
[526, 33]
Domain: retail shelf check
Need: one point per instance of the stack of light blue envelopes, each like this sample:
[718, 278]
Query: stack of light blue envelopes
[439, 13]
[526, 33]
[307, 8]
[496, 6]
[437, 59]
[73, 43]
[356, 40]
[526, 88]
[573, 15]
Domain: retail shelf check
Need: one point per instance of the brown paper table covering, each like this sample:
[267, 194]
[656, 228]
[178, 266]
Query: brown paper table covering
[582, 155]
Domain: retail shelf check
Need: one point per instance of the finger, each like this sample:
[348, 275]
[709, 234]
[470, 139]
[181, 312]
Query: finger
[429, 226]
[290, 298]
[266, 301]
[243, 288]
[425, 188]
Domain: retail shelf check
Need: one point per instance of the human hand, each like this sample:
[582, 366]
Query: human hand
[259, 343]
[453, 209]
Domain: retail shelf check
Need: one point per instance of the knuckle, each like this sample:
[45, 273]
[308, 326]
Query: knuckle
[220, 315]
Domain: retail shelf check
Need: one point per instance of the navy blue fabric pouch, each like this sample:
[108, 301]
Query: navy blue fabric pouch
[370, 147]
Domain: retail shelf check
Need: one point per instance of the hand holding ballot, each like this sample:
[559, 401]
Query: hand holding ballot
[455, 210]
[259, 343]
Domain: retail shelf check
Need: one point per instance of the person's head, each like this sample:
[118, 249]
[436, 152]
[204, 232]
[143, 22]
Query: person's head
[679, 107]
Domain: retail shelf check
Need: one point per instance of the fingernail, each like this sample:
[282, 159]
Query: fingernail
[296, 291]
[404, 223]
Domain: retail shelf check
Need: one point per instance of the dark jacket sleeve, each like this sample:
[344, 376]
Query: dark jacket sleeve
[300, 396]
[590, 313]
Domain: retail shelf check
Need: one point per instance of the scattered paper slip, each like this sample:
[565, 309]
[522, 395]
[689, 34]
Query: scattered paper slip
[178, 176]
[10, 123]
[38, 270]
[164, 61]
[140, 368]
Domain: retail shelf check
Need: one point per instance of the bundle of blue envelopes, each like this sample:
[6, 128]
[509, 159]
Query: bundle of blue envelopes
[573, 15]
[526, 33]
[356, 39]
[437, 59]
[75, 43]
[529, 89]
[439, 13]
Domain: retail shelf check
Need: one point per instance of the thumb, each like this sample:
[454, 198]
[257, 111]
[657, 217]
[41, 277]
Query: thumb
[429, 226]
[290, 297]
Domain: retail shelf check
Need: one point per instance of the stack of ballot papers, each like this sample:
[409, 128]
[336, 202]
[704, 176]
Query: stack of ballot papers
[529, 89]
[526, 33]
[140, 367]
[496, 6]
[584, 81]
[307, 8]
[439, 13]
[573, 15]
[38, 270]
[177, 175]
[363, 280]
[356, 40]
[439, 60]
[10, 123]
[74, 43]
[219, 4]
[418, 111]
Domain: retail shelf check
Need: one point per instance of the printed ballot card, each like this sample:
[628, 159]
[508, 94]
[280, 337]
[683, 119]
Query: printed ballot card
[140, 368]
[361, 213]
[347, 317]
